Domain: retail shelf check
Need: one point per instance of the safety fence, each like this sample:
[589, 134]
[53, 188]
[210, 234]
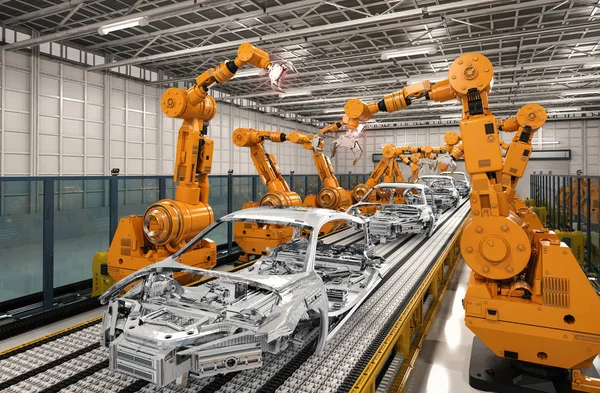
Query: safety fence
[570, 206]
[51, 227]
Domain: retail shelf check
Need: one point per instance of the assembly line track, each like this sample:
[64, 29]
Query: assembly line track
[73, 361]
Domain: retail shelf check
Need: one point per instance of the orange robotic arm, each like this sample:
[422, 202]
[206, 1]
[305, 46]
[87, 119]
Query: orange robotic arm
[390, 154]
[279, 193]
[331, 196]
[168, 224]
[528, 120]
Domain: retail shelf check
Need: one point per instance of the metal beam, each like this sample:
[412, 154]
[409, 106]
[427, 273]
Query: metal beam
[208, 23]
[158, 13]
[300, 32]
[46, 11]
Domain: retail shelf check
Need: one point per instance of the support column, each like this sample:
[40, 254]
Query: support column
[48, 245]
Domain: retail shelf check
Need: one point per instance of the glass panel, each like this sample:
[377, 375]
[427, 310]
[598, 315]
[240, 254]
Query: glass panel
[299, 185]
[353, 181]
[261, 189]
[241, 192]
[20, 237]
[170, 186]
[81, 224]
[313, 185]
[135, 195]
[218, 202]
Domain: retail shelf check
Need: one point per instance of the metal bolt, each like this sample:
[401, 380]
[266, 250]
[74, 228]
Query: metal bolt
[486, 269]
[521, 247]
[475, 58]
[476, 212]
[505, 228]
[479, 229]
[494, 204]
[453, 76]
[509, 268]
[460, 62]
[469, 249]
[486, 69]
[463, 87]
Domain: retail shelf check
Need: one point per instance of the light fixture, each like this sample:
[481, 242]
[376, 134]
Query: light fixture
[438, 76]
[591, 65]
[438, 103]
[124, 24]
[545, 143]
[417, 50]
[293, 93]
[564, 109]
[455, 5]
[453, 116]
[576, 92]
[340, 110]
[250, 72]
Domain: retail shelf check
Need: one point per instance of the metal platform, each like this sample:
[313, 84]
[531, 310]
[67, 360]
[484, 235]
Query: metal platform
[383, 334]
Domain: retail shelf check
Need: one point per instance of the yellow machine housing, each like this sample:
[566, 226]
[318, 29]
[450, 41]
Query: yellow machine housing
[168, 224]
[527, 298]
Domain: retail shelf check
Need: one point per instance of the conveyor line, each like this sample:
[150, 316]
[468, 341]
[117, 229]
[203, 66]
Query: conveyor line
[73, 363]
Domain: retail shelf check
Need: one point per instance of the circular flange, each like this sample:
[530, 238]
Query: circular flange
[471, 70]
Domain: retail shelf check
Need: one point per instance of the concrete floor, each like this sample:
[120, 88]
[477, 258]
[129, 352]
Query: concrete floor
[442, 365]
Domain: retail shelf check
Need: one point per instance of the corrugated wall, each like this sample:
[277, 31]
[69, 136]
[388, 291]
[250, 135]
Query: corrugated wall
[581, 136]
[60, 120]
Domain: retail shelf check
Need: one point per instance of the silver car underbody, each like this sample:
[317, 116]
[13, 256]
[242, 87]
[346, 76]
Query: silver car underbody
[159, 331]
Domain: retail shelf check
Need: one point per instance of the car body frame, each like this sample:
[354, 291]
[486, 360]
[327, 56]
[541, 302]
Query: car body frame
[159, 330]
[443, 187]
[387, 220]
[463, 184]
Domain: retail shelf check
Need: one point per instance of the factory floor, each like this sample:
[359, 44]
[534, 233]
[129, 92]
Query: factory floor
[442, 366]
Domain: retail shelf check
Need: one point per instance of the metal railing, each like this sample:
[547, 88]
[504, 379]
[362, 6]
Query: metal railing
[572, 204]
[51, 227]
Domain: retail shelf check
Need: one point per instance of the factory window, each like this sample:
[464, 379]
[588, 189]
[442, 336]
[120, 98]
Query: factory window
[55, 49]
[98, 60]
[73, 54]
[9, 36]
[22, 36]
[45, 47]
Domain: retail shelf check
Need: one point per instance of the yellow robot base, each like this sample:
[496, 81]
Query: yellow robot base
[505, 318]
[129, 252]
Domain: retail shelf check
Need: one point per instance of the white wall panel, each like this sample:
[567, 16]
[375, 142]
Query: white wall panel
[581, 136]
[71, 137]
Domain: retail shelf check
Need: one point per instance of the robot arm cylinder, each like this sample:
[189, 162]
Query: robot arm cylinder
[331, 196]
[279, 192]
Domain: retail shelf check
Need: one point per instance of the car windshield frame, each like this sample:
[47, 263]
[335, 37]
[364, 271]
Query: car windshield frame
[313, 238]
[427, 180]
[453, 174]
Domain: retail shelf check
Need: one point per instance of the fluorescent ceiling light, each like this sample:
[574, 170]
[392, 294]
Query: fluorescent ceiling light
[454, 116]
[417, 50]
[438, 103]
[545, 143]
[438, 76]
[564, 109]
[124, 24]
[293, 93]
[576, 92]
[456, 5]
[250, 72]
[333, 111]
[591, 65]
